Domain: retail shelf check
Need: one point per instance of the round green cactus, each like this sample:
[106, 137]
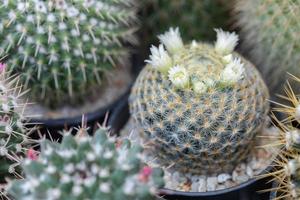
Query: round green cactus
[13, 134]
[200, 105]
[98, 167]
[270, 32]
[65, 47]
[196, 19]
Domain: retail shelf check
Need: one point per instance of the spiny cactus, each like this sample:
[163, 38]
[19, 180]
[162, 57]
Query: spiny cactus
[287, 164]
[13, 134]
[200, 105]
[196, 18]
[98, 167]
[270, 30]
[65, 47]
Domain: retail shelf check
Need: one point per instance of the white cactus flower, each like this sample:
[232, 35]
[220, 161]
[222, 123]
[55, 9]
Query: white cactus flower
[179, 76]
[226, 41]
[160, 59]
[172, 40]
[227, 59]
[233, 71]
[199, 87]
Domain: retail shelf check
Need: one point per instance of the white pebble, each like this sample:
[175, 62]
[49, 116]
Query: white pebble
[194, 187]
[242, 178]
[222, 178]
[234, 175]
[249, 171]
[212, 183]
[202, 185]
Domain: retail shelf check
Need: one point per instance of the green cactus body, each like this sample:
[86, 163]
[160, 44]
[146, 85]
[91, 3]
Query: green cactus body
[196, 19]
[98, 167]
[65, 47]
[270, 32]
[209, 125]
[13, 134]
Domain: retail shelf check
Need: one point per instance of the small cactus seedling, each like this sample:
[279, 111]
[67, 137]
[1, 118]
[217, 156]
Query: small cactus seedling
[65, 47]
[288, 161]
[98, 167]
[14, 138]
[270, 31]
[200, 105]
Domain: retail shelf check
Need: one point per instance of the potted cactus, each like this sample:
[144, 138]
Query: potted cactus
[200, 109]
[14, 136]
[83, 167]
[72, 55]
[270, 33]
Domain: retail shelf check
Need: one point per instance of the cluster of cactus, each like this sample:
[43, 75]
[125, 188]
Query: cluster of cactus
[196, 19]
[83, 167]
[270, 30]
[13, 135]
[288, 161]
[64, 48]
[200, 106]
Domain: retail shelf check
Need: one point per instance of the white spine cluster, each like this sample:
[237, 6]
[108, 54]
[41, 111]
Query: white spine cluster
[179, 76]
[172, 40]
[291, 138]
[233, 71]
[160, 59]
[226, 42]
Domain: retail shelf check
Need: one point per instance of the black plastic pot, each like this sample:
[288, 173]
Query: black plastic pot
[246, 191]
[54, 126]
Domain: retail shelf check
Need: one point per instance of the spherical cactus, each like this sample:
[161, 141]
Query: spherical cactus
[13, 134]
[196, 18]
[98, 167]
[200, 106]
[64, 48]
[270, 32]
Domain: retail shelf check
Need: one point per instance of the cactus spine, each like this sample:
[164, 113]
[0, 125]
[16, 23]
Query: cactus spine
[98, 167]
[270, 30]
[64, 48]
[200, 105]
[13, 135]
[287, 174]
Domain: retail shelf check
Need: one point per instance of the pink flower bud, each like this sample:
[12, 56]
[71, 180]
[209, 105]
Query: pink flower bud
[32, 154]
[2, 67]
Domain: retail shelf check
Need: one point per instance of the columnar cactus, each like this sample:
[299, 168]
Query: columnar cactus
[98, 167]
[200, 105]
[196, 18]
[13, 134]
[288, 162]
[65, 47]
[270, 31]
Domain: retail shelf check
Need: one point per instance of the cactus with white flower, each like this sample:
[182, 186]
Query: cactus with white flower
[87, 167]
[14, 138]
[65, 48]
[287, 173]
[270, 31]
[200, 105]
[196, 19]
